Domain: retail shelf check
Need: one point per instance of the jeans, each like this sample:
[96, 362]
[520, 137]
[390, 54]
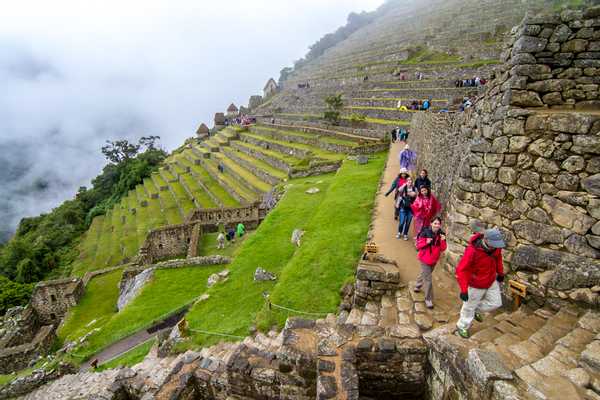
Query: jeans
[405, 220]
[482, 300]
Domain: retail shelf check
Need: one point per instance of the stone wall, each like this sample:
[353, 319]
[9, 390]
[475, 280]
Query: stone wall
[527, 158]
[169, 241]
[52, 299]
[18, 357]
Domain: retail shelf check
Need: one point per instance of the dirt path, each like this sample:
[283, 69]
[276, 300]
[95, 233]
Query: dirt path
[404, 252]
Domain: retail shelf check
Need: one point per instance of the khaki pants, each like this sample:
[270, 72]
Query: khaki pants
[425, 281]
[482, 300]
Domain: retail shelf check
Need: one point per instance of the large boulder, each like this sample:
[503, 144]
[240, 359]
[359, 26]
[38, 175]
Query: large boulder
[129, 288]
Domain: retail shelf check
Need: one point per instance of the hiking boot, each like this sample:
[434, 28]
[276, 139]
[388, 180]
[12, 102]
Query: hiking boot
[405, 237]
[429, 304]
[417, 289]
[397, 236]
[463, 333]
[478, 317]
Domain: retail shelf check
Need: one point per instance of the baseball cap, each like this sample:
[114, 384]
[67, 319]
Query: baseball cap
[494, 238]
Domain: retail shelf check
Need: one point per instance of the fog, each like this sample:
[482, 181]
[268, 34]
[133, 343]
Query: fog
[73, 75]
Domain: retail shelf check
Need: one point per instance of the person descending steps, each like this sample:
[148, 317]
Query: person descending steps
[479, 274]
[396, 184]
[431, 243]
[406, 194]
[425, 208]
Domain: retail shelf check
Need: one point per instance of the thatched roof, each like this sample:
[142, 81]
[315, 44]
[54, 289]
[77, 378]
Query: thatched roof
[202, 129]
[271, 81]
[232, 108]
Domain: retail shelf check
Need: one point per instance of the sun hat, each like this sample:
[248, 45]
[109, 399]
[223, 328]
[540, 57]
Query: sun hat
[493, 237]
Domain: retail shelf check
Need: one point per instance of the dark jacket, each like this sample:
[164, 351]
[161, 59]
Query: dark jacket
[420, 182]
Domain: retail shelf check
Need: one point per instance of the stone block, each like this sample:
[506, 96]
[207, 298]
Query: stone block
[566, 215]
[529, 180]
[537, 233]
[523, 98]
[486, 366]
[529, 44]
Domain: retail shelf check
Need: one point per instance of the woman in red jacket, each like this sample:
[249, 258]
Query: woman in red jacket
[479, 274]
[424, 208]
[431, 242]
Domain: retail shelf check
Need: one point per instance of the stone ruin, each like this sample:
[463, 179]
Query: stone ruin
[28, 332]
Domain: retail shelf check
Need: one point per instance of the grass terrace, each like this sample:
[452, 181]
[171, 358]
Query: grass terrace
[342, 208]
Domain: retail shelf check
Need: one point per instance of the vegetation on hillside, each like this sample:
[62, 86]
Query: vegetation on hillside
[335, 104]
[44, 246]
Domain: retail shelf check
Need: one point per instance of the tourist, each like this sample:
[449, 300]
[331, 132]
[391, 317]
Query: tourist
[403, 136]
[399, 104]
[403, 108]
[423, 179]
[425, 208]
[394, 134]
[431, 242]
[241, 229]
[479, 274]
[221, 167]
[407, 158]
[230, 235]
[425, 105]
[220, 241]
[396, 184]
[406, 195]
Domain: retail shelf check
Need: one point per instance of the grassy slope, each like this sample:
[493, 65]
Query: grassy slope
[341, 210]
[169, 290]
[98, 303]
[330, 247]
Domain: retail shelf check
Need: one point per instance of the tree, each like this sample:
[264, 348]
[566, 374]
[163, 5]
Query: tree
[284, 74]
[148, 142]
[13, 294]
[334, 107]
[119, 150]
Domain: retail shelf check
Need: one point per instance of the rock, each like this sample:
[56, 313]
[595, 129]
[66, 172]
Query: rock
[587, 143]
[567, 182]
[542, 148]
[570, 271]
[405, 331]
[592, 184]
[260, 275]
[561, 33]
[537, 233]
[593, 208]
[485, 366]
[524, 98]
[574, 46]
[566, 215]
[593, 241]
[539, 215]
[313, 190]
[423, 321]
[362, 159]
[573, 164]
[577, 244]
[296, 236]
[546, 166]
[216, 278]
[591, 355]
[578, 376]
[529, 44]
[130, 288]
[529, 180]
[326, 387]
[518, 143]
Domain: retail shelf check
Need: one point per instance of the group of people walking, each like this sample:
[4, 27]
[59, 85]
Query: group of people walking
[480, 271]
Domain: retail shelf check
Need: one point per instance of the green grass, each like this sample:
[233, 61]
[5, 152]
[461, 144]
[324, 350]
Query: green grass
[167, 291]
[247, 176]
[341, 210]
[99, 303]
[317, 152]
[261, 164]
[130, 357]
[4, 379]
[208, 245]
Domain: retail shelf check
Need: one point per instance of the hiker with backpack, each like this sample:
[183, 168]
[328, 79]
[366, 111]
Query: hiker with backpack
[406, 195]
[431, 243]
[479, 274]
[396, 184]
[423, 179]
[425, 208]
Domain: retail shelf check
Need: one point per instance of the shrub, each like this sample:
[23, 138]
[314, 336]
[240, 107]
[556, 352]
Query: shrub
[334, 106]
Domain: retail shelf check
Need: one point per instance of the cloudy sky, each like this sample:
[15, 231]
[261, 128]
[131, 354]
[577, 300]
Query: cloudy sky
[75, 73]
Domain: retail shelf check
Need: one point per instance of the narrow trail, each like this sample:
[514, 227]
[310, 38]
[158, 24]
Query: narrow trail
[403, 252]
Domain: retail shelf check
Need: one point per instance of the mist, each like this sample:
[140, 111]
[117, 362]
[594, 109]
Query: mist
[74, 75]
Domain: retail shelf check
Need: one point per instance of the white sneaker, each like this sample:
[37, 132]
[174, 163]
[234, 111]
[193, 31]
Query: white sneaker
[405, 237]
[397, 236]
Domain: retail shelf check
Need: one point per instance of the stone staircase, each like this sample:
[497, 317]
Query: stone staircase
[526, 354]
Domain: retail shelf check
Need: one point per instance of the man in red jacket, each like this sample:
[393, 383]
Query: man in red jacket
[479, 274]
